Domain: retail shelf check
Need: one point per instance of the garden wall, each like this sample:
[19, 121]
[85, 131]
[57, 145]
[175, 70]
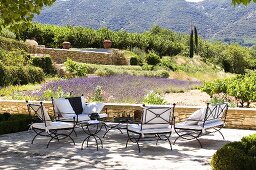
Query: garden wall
[244, 118]
[116, 57]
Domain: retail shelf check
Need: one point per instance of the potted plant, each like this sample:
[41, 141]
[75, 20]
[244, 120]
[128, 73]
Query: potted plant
[107, 44]
[66, 45]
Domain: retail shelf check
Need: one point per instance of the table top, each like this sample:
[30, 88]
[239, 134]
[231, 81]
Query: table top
[91, 122]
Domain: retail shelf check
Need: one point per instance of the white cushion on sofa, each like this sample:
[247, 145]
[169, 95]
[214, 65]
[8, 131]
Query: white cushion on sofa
[93, 108]
[64, 106]
[195, 117]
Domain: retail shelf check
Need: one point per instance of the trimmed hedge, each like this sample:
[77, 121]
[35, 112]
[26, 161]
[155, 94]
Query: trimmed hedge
[14, 123]
[45, 63]
[236, 155]
[13, 75]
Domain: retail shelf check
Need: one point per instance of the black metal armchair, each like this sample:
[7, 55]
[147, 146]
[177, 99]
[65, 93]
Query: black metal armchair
[203, 121]
[156, 124]
[55, 130]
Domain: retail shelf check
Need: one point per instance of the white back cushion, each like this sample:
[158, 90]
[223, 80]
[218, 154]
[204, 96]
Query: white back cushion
[42, 113]
[196, 116]
[93, 108]
[157, 115]
[63, 106]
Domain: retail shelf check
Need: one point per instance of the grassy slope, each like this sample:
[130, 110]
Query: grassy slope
[197, 69]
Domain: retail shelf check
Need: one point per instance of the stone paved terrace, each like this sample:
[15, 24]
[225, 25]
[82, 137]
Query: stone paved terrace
[17, 152]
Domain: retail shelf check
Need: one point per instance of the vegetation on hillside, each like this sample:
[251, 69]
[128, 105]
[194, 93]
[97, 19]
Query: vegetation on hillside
[238, 23]
[163, 42]
[241, 87]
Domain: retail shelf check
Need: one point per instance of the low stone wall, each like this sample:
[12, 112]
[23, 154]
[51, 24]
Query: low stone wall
[116, 57]
[240, 118]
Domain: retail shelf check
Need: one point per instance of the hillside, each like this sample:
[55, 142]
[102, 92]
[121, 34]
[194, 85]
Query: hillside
[214, 19]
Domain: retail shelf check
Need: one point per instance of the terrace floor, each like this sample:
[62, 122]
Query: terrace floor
[17, 152]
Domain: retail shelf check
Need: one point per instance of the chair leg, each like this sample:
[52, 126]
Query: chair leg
[106, 133]
[199, 142]
[49, 142]
[176, 139]
[75, 132]
[37, 134]
[87, 138]
[34, 138]
[218, 130]
[110, 128]
[137, 141]
[183, 136]
[168, 138]
[133, 139]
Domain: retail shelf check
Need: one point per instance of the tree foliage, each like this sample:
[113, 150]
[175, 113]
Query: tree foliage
[245, 2]
[13, 11]
[191, 44]
[242, 87]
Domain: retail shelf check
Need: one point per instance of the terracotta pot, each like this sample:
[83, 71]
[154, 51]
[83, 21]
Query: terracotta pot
[66, 45]
[107, 43]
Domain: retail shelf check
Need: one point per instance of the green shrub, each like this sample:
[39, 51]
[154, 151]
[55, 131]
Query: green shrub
[55, 94]
[45, 63]
[7, 33]
[162, 74]
[11, 44]
[104, 72]
[167, 63]
[98, 94]
[154, 98]
[14, 58]
[147, 67]
[236, 155]
[13, 75]
[152, 58]
[77, 69]
[14, 123]
[134, 61]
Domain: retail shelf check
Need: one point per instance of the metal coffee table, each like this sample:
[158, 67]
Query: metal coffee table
[92, 128]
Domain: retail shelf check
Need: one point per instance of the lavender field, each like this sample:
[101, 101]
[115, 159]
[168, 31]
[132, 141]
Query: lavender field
[118, 88]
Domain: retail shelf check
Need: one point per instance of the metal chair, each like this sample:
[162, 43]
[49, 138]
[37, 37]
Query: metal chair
[52, 129]
[156, 124]
[203, 121]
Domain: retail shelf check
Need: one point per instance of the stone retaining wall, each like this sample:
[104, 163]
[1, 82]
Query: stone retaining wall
[240, 118]
[116, 57]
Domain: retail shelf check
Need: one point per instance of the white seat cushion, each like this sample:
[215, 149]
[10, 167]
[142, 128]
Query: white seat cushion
[114, 124]
[207, 125]
[53, 125]
[183, 125]
[83, 117]
[80, 117]
[213, 123]
[137, 128]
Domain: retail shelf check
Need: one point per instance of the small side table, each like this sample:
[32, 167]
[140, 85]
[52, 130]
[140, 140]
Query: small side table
[92, 128]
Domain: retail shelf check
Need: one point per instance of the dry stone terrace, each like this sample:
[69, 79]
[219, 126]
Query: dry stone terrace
[18, 153]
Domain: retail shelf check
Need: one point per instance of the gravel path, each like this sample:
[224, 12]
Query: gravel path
[18, 153]
[189, 98]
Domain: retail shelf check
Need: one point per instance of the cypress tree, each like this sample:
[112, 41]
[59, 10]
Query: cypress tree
[196, 39]
[191, 45]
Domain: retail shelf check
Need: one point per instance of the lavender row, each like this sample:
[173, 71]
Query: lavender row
[117, 88]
